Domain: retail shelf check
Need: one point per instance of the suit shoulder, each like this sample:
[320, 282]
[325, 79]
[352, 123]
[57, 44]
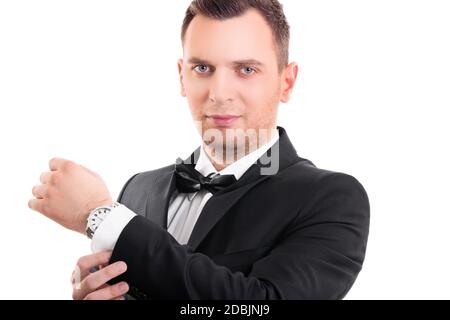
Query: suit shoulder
[151, 174]
[304, 174]
[143, 180]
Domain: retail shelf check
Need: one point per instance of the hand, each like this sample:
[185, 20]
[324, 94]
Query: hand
[68, 193]
[93, 286]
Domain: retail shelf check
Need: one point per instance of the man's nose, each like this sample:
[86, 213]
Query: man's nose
[221, 89]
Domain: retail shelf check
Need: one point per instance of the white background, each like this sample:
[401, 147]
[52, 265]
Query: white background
[96, 82]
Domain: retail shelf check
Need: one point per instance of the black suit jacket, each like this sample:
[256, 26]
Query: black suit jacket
[299, 234]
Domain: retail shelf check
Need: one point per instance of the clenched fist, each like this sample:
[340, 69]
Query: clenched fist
[68, 193]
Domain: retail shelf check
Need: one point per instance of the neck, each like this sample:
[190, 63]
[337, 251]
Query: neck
[221, 160]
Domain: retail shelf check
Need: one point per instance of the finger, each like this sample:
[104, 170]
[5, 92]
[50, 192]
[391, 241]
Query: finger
[114, 292]
[56, 163]
[36, 204]
[40, 191]
[45, 177]
[86, 263]
[97, 279]
[75, 279]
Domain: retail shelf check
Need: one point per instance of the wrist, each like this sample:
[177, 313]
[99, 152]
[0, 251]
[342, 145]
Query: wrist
[97, 216]
[84, 214]
[95, 204]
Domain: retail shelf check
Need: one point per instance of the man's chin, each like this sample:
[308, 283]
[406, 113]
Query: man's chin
[229, 147]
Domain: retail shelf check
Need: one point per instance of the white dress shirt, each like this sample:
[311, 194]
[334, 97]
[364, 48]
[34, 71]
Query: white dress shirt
[184, 208]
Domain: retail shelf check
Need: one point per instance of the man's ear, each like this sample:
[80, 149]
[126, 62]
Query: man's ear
[289, 77]
[180, 72]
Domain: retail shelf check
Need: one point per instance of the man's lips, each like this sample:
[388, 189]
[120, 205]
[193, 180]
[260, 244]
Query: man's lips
[223, 120]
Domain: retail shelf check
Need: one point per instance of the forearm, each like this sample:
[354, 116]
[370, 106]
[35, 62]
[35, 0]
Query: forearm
[164, 269]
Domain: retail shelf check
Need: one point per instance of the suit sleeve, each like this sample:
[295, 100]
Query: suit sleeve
[318, 257]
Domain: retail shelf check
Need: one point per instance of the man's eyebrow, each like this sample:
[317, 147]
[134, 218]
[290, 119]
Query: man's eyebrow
[253, 62]
[195, 60]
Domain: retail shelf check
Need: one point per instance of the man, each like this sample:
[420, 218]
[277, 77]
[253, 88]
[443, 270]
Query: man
[244, 217]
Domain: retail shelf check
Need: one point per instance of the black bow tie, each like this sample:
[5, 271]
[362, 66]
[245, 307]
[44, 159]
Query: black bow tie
[190, 180]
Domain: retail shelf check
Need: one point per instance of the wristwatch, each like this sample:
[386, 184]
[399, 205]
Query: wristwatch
[96, 217]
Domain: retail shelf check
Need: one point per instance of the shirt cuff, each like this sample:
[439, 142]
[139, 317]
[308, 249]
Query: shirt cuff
[108, 232]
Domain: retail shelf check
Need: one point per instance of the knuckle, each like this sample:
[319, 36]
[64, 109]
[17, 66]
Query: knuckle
[90, 296]
[42, 191]
[75, 295]
[51, 161]
[104, 256]
[110, 271]
[62, 164]
[114, 291]
[81, 263]
[36, 191]
[54, 179]
[120, 288]
[88, 283]
[45, 207]
[67, 165]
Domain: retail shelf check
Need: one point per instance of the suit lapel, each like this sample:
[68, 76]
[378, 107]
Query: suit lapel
[216, 207]
[158, 199]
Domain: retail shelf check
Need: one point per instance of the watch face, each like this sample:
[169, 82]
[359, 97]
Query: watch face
[96, 218]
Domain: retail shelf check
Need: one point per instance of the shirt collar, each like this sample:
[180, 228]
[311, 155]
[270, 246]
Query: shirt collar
[237, 168]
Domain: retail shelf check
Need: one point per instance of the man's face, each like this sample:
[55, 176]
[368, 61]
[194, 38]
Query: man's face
[230, 74]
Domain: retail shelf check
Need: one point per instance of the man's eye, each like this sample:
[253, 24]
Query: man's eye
[248, 70]
[201, 68]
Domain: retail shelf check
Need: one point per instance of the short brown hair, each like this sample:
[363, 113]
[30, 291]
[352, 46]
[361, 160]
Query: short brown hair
[271, 10]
